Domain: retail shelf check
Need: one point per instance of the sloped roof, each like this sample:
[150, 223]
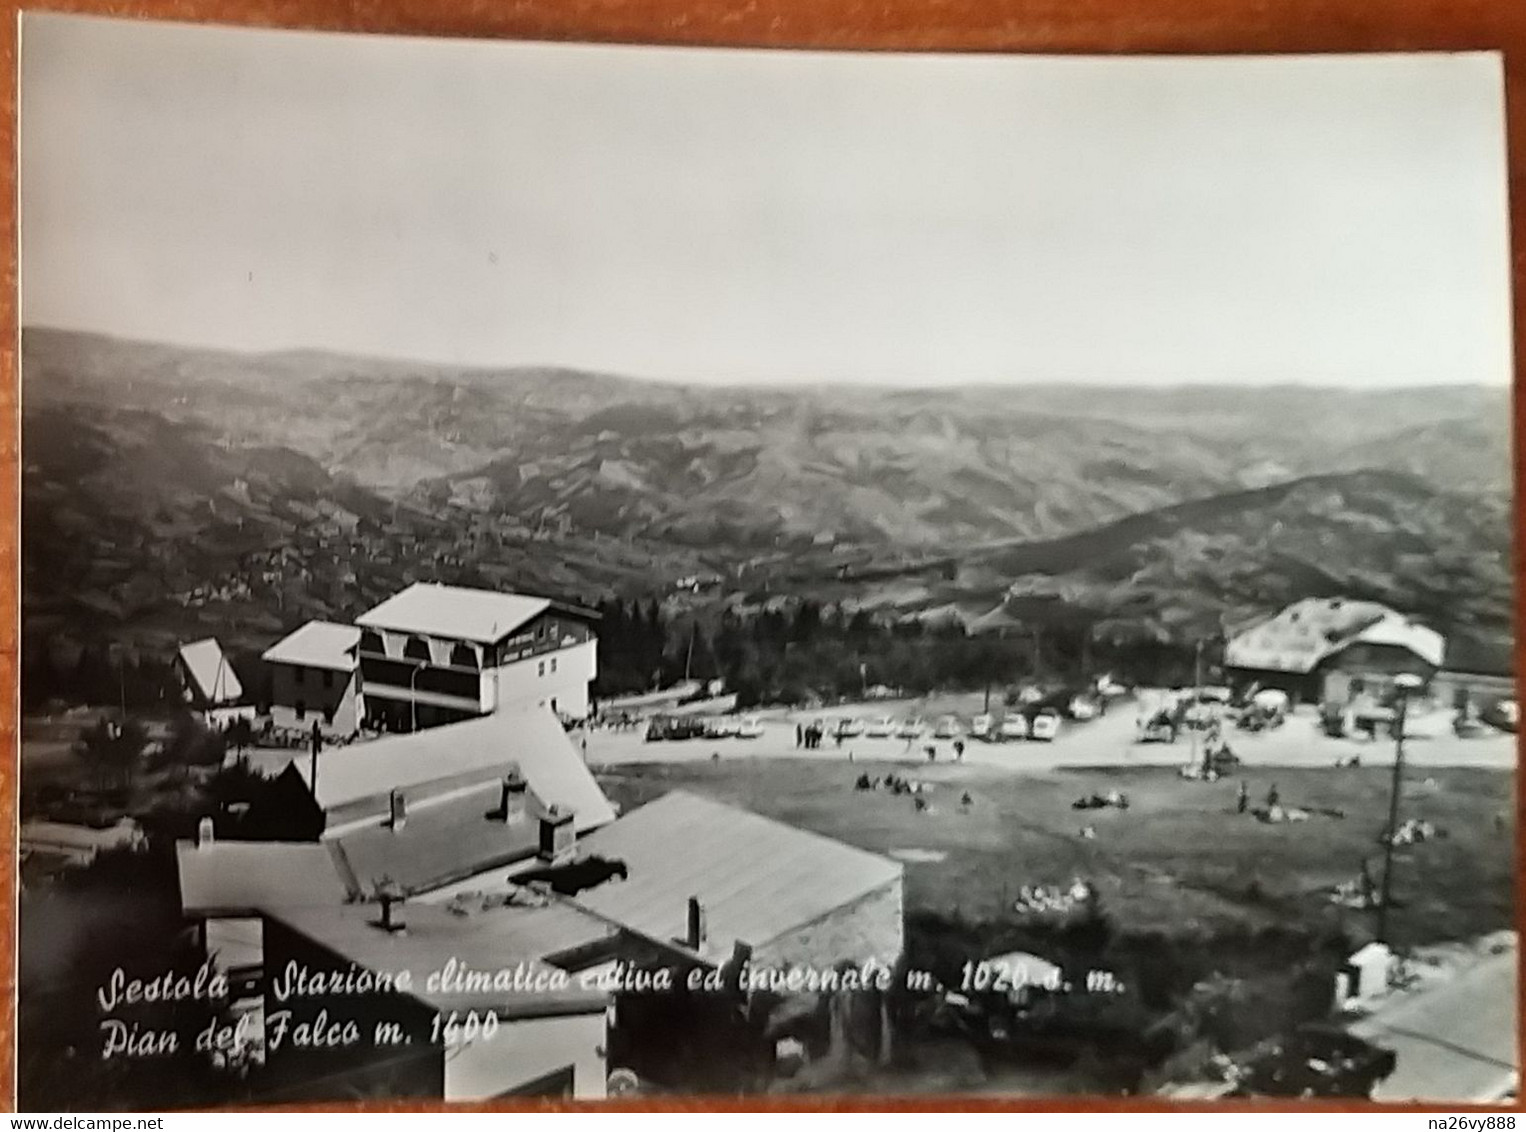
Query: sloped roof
[1306, 632]
[444, 841]
[210, 671]
[994, 620]
[1427, 644]
[482, 941]
[357, 779]
[454, 612]
[758, 879]
[318, 644]
[230, 877]
[64, 835]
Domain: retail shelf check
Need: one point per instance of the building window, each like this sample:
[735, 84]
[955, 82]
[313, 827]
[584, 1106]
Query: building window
[551, 629]
[540, 631]
[540, 669]
[553, 664]
[416, 649]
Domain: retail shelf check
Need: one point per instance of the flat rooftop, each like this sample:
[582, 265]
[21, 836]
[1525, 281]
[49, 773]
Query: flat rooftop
[454, 612]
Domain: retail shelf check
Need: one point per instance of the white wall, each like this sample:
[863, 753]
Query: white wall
[345, 698]
[522, 1051]
[562, 675]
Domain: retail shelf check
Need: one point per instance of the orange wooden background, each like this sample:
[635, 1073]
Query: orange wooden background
[1034, 26]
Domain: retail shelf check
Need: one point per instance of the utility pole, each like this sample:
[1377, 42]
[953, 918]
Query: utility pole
[1403, 684]
[317, 745]
[1197, 701]
[689, 660]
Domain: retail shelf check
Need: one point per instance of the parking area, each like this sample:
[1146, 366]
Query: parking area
[1107, 740]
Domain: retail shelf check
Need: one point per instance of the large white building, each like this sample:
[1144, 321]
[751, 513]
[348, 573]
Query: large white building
[436, 654]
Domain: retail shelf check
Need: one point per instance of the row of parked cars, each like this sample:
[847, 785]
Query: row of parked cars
[679, 727]
[1042, 725]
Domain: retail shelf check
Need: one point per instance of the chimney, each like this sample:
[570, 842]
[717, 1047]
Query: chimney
[695, 936]
[391, 912]
[511, 799]
[205, 832]
[557, 842]
[397, 810]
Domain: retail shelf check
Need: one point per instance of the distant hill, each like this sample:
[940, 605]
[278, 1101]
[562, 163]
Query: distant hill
[126, 514]
[1155, 505]
[704, 465]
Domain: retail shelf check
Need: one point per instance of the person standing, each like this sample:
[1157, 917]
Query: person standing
[799, 736]
[1242, 797]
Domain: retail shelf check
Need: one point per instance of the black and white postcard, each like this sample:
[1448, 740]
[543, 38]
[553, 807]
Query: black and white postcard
[591, 571]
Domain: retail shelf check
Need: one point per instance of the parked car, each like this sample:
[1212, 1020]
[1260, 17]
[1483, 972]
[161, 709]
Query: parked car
[948, 727]
[1045, 726]
[751, 728]
[1082, 709]
[1014, 727]
[910, 729]
[1503, 714]
[981, 727]
[719, 728]
[676, 727]
[1110, 688]
[882, 728]
[850, 728]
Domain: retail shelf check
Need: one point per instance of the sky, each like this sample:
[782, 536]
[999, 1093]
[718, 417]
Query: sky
[743, 216]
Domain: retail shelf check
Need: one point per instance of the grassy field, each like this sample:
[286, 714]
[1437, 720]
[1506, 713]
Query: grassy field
[1179, 859]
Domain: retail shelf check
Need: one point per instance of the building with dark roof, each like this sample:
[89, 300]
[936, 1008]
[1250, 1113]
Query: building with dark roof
[1327, 649]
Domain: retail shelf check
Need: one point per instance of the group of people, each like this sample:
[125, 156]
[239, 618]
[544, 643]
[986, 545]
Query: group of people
[1041, 898]
[892, 782]
[1115, 799]
[931, 751]
[905, 786]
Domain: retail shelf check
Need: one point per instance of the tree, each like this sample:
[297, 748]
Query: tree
[240, 734]
[113, 751]
[92, 681]
[39, 674]
[192, 743]
[653, 641]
